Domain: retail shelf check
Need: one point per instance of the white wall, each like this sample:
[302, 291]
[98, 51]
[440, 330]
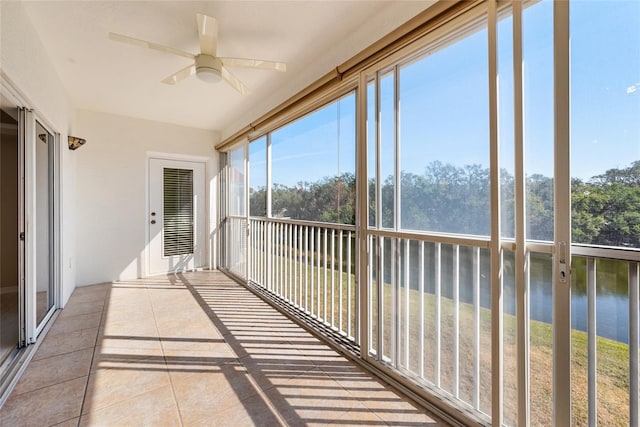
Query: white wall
[25, 63]
[111, 190]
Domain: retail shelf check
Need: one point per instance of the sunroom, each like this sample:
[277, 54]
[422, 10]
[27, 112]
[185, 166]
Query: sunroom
[449, 198]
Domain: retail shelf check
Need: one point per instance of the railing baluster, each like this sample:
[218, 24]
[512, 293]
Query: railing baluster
[281, 264]
[333, 281]
[634, 283]
[256, 241]
[295, 265]
[312, 276]
[456, 320]
[306, 269]
[438, 285]
[340, 259]
[476, 328]
[291, 264]
[380, 308]
[260, 255]
[421, 322]
[591, 342]
[349, 285]
[370, 308]
[395, 302]
[407, 253]
[274, 257]
[281, 250]
[279, 259]
[318, 257]
[283, 257]
[268, 256]
[251, 253]
[300, 266]
[326, 235]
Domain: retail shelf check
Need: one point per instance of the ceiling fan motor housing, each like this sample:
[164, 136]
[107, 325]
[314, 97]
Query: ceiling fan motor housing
[208, 68]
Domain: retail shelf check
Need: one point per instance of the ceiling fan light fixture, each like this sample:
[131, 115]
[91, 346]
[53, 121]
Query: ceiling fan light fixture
[208, 68]
[208, 75]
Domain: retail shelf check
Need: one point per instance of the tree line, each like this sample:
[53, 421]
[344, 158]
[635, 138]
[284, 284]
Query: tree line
[452, 199]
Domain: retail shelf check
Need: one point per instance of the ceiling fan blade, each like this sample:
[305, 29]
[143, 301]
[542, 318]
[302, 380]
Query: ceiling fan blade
[234, 82]
[151, 45]
[180, 75]
[254, 63]
[208, 33]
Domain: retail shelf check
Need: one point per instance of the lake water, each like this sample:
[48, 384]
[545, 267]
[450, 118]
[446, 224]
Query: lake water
[612, 310]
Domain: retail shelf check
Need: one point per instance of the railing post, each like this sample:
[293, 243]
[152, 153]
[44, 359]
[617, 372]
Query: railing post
[592, 373]
[634, 283]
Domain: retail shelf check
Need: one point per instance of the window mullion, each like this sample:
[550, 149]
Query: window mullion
[562, 219]
[496, 249]
[522, 303]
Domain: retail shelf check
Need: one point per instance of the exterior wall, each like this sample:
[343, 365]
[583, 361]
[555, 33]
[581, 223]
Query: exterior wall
[111, 190]
[26, 64]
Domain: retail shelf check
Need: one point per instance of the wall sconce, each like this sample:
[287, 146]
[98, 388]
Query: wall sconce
[75, 142]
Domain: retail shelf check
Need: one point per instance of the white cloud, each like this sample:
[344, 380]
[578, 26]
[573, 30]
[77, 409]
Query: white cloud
[631, 89]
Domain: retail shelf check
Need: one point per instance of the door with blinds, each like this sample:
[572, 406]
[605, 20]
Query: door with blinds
[176, 216]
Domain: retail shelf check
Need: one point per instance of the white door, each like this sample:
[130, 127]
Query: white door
[176, 220]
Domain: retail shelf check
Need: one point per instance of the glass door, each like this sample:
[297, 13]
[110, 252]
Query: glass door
[235, 230]
[10, 194]
[43, 216]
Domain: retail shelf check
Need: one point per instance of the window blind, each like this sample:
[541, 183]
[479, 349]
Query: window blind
[178, 212]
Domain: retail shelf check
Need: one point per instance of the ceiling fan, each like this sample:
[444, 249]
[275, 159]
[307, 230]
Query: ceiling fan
[206, 66]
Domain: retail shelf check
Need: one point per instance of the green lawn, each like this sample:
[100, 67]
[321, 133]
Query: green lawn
[613, 359]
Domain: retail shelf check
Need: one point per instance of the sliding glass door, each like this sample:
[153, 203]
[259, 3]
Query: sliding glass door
[44, 220]
[10, 226]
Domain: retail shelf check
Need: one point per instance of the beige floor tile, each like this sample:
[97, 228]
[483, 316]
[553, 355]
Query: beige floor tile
[46, 406]
[269, 370]
[311, 399]
[109, 386]
[75, 323]
[110, 357]
[119, 311]
[394, 410]
[195, 349]
[153, 408]
[53, 370]
[254, 411]
[357, 416]
[170, 296]
[141, 330]
[74, 308]
[126, 299]
[54, 345]
[200, 348]
[226, 385]
[188, 326]
[69, 423]
[397, 417]
[90, 293]
[132, 336]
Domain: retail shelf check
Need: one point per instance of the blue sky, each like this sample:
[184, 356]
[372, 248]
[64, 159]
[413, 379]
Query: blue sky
[444, 103]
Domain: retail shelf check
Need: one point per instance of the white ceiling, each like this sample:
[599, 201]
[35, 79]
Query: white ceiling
[312, 37]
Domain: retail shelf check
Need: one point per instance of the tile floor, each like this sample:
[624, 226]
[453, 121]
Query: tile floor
[193, 350]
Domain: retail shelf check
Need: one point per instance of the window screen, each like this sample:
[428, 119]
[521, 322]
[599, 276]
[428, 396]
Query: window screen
[178, 211]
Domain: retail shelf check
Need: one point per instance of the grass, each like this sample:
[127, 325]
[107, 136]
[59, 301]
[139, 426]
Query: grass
[612, 356]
